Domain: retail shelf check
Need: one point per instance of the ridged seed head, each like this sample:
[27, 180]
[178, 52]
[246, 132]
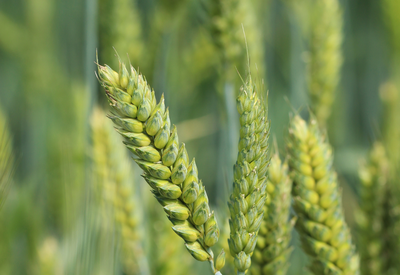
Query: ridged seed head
[146, 128]
[324, 234]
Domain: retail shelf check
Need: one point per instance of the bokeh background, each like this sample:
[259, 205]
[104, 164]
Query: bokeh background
[48, 90]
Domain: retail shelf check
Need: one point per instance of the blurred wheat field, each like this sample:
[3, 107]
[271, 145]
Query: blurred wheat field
[66, 209]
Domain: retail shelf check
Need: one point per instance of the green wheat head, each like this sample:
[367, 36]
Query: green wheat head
[370, 218]
[325, 58]
[113, 173]
[6, 159]
[272, 251]
[246, 203]
[325, 237]
[146, 128]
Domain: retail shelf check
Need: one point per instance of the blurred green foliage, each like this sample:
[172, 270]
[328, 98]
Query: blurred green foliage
[48, 90]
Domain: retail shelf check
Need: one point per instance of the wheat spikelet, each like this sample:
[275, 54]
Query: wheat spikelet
[323, 231]
[146, 128]
[373, 179]
[246, 203]
[272, 250]
[113, 174]
[6, 159]
[325, 58]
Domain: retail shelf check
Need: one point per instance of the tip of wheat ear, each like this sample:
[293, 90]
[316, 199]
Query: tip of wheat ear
[323, 231]
[146, 128]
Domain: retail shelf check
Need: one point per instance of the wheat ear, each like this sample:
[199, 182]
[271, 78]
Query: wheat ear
[373, 179]
[146, 128]
[325, 58]
[246, 203]
[324, 233]
[112, 166]
[6, 159]
[272, 251]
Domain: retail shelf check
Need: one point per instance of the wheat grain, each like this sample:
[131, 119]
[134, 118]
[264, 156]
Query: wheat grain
[272, 251]
[325, 56]
[323, 231]
[146, 128]
[247, 200]
[6, 159]
[373, 179]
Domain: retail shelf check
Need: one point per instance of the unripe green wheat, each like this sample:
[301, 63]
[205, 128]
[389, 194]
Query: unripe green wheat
[112, 167]
[146, 128]
[371, 231]
[323, 231]
[325, 56]
[247, 201]
[6, 159]
[272, 251]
